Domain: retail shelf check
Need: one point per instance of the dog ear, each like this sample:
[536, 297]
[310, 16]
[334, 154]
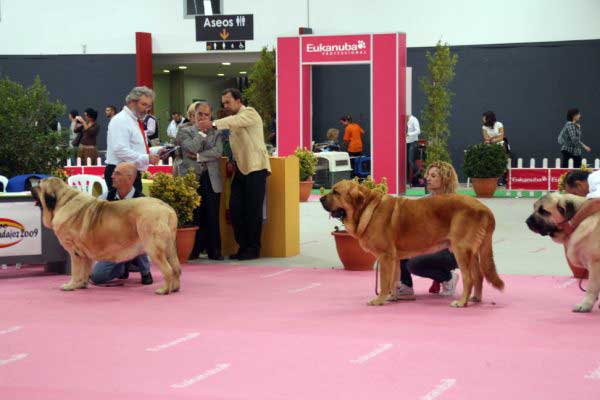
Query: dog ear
[566, 208]
[357, 197]
[50, 201]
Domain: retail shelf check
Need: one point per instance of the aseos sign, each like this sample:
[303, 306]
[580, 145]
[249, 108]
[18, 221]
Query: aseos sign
[336, 48]
[20, 229]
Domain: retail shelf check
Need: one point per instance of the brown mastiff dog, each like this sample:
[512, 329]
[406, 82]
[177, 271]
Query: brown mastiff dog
[582, 246]
[91, 229]
[394, 228]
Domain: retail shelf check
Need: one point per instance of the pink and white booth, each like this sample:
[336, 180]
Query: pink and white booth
[386, 55]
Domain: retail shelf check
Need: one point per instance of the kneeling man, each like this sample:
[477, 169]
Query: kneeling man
[104, 271]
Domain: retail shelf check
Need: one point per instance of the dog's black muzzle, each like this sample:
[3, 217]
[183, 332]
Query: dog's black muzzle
[540, 226]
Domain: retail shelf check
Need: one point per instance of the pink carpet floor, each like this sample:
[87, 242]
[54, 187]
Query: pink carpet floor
[263, 333]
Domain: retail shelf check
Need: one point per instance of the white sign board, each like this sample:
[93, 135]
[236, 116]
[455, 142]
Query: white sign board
[20, 229]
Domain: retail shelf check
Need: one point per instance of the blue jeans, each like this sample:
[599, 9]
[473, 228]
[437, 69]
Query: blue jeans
[106, 271]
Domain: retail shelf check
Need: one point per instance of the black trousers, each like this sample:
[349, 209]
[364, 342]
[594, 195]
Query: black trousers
[436, 266]
[246, 205]
[565, 159]
[108, 171]
[207, 217]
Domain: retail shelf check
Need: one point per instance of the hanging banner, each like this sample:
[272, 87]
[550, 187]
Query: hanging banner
[20, 229]
[529, 179]
[348, 48]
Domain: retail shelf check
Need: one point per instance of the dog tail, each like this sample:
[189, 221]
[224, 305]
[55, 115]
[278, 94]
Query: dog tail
[486, 255]
[172, 256]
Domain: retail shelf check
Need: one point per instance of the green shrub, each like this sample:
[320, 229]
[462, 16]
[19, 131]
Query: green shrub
[485, 161]
[308, 163]
[27, 144]
[180, 193]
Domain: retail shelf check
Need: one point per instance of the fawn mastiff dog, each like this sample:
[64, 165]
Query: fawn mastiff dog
[394, 228]
[582, 246]
[91, 229]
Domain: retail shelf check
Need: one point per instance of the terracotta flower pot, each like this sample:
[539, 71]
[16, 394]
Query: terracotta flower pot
[484, 187]
[578, 272]
[185, 242]
[353, 257]
[305, 189]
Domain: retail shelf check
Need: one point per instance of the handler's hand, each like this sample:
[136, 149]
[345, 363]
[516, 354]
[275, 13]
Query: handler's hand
[204, 125]
[154, 158]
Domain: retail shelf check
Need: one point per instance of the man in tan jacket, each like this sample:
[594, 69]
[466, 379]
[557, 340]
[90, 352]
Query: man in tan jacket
[253, 167]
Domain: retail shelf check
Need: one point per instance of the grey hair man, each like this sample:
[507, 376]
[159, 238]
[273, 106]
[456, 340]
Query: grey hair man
[126, 138]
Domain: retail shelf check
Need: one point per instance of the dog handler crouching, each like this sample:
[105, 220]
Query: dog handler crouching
[123, 178]
[441, 179]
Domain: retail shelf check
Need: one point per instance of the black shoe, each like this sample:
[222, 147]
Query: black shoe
[147, 279]
[125, 274]
[216, 258]
[248, 255]
[235, 256]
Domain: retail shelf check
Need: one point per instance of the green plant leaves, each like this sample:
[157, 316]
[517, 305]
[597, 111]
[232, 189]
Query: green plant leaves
[180, 192]
[27, 144]
[308, 163]
[260, 94]
[485, 161]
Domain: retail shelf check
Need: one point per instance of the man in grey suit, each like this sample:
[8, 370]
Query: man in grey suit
[202, 152]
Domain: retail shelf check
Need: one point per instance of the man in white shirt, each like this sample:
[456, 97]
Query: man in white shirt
[412, 139]
[126, 138]
[174, 124]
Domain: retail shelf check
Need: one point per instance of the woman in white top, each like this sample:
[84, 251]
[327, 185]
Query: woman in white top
[492, 130]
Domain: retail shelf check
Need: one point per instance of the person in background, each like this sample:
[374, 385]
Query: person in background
[440, 266]
[110, 112]
[412, 140]
[126, 138]
[123, 176]
[332, 140]
[76, 126]
[492, 130]
[570, 140]
[352, 136]
[493, 133]
[86, 139]
[576, 182]
[253, 167]
[185, 157]
[176, 121]
[151, 127]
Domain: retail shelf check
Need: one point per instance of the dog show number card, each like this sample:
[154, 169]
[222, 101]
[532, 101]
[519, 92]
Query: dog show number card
[20, 229]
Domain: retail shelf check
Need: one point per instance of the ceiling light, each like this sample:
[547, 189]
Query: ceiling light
[242, 72]
[182, 67]
[225, 63]
[220, 74]
[166, 71]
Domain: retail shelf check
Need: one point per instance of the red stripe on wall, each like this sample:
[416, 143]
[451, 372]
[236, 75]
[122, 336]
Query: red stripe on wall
[143, 59]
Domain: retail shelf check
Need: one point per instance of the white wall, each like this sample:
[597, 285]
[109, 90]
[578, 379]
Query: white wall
[63, 26]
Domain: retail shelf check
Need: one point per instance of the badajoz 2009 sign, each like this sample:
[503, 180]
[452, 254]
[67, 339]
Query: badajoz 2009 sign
[20, 229]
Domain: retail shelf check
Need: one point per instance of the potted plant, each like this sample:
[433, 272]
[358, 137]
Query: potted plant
[181, 194]
[352, 256]
[308, 167]
[484, 164]
[578, 272]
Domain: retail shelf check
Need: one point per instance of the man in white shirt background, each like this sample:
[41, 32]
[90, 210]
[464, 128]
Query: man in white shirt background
[126, 138]
[176, 120]
[412, 139]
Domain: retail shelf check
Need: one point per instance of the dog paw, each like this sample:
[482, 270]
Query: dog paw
[475, 299]
[162, 290]
[376, 302]
[67, 287]
[457, 304]
[582, 308]
[392, 297]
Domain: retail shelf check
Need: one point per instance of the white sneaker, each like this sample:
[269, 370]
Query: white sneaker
[449, 287]
[404, 292]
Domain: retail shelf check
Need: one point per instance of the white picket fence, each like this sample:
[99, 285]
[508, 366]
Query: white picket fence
[100, 164]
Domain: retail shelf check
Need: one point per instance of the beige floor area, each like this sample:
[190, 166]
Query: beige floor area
[516, 249]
